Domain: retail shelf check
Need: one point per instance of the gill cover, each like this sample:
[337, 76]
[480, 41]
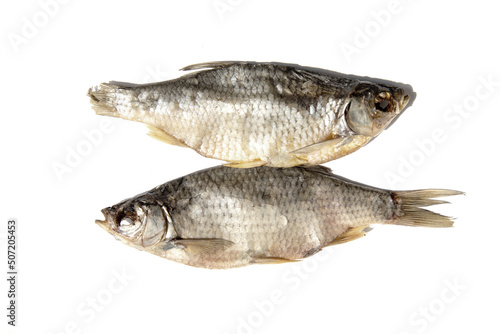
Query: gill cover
[155, 226]
[138, 221]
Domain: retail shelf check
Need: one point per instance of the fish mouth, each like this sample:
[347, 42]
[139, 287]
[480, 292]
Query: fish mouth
[103, 224]
[404, 101]
[401, 97]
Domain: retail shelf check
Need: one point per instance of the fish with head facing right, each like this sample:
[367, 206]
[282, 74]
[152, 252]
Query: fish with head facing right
[253, 114]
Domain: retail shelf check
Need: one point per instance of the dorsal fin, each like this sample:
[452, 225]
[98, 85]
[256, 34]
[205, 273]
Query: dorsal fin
[319, 169]
[211, 64]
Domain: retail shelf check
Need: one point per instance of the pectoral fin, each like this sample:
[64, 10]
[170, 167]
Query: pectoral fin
[351, 234]
[330, 149]
[273, 260]
[314, 148]
[164, 137]
[204, 246]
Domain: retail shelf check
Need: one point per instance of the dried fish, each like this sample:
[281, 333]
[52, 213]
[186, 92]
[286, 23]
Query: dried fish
[253, 114]
[226, 217]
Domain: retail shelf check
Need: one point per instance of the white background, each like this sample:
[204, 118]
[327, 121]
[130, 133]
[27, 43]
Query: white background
[394, 280]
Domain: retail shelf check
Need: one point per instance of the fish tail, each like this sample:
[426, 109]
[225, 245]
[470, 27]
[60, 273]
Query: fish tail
[104, 97]
[409, 205]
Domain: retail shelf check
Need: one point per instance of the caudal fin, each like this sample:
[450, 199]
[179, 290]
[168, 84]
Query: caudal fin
[105, 97]
[102, 98]
[409, 210]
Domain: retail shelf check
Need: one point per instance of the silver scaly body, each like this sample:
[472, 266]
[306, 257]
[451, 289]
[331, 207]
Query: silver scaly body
[225, 217]
[253, 114]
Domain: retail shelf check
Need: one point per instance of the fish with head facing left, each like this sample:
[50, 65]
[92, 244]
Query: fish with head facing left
[227, 217]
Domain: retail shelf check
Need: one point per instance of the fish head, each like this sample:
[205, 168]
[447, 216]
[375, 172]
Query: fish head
[372, 107]
[138, 222]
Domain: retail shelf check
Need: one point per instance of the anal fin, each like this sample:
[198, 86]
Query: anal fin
[164, 137]
[351, 234]
[273, 260]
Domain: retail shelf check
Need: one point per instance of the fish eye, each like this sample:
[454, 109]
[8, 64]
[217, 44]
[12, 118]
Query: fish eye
[383, 102]
[383, 106]
[128, 226]
[384, 95]
[126, 222]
